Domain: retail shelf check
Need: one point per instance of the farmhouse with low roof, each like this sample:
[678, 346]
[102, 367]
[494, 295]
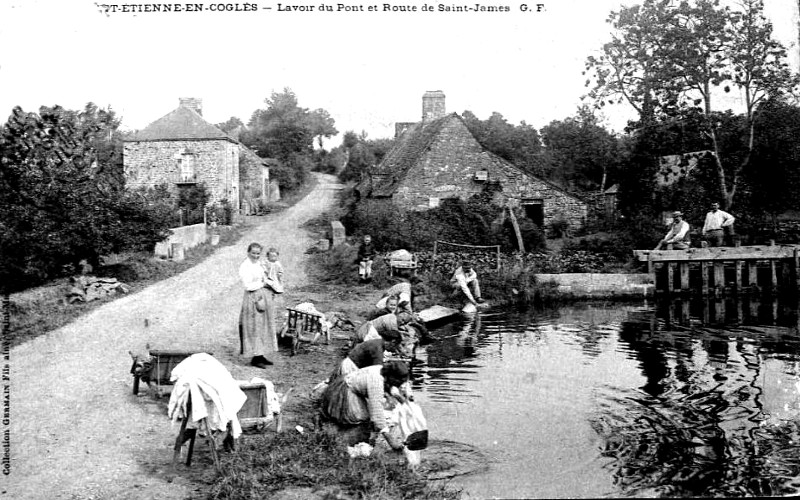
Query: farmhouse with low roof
[181, 149]
[439, 158]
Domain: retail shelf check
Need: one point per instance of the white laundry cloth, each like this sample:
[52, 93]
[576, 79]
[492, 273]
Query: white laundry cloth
[216, 396]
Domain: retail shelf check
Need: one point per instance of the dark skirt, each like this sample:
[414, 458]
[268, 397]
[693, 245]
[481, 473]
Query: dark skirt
[343, 406]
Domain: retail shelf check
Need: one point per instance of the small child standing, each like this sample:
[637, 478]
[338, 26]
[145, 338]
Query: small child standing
[366, 254]
[274, 271]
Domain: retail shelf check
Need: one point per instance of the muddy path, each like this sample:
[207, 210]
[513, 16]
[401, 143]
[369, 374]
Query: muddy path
[78, 432]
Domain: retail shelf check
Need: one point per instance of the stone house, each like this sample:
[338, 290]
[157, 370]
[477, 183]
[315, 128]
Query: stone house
[439, 158]
[182, 149]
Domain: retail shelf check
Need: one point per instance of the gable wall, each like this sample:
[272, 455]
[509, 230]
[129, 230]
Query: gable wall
[448, 169]
[253, 177]
[150, 163]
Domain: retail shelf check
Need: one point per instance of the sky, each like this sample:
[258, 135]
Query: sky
[367, 69]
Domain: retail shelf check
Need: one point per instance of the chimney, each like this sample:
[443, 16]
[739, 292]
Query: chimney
[433, 105]
[192, 103]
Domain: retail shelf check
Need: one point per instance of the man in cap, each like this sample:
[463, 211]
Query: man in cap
[678, 235]
[714, 227]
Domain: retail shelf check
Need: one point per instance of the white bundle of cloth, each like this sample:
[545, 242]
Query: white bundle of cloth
[215, 395]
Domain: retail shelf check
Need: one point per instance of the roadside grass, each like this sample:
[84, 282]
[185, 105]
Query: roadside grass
[39, 310]
[265, 464]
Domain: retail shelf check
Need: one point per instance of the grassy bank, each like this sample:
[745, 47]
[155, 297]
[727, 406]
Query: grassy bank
[315, 464]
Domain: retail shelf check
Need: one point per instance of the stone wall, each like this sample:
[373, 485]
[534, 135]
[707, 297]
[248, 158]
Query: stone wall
[188, 236]
[254, 179]
[599, 285]
[448, 169]
[216, 164]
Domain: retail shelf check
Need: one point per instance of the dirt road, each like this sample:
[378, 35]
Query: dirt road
[77, 431]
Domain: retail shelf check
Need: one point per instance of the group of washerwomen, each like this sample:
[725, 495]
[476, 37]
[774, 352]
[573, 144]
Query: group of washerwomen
[364, 384]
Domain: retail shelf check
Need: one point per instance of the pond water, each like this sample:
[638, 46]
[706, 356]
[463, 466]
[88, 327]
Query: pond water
[670, 399]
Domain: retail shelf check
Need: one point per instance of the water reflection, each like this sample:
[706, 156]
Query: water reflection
[700, 427]
[677, 398]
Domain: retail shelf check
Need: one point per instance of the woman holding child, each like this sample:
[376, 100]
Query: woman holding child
[257, 333]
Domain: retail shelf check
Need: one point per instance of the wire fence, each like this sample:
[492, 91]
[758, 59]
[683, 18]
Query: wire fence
[437, 244]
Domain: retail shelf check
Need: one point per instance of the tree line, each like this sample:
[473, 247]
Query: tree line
[62, 188]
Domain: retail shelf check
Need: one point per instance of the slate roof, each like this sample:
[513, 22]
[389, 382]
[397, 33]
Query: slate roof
[410, 148]
[180, 124]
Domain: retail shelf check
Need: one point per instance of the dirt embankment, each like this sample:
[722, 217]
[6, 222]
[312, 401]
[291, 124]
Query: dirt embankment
[78, 432]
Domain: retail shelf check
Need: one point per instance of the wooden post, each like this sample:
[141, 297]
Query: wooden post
[738, 264]
[498, 258]
[670, 277]
[739, 310]
[797, 269]
[514, 223]
[433, 259]
[685, 312]
[719, 277]
[774, 310]
[773, 274]
[704, 265]
[752, 274]
[684, 272]
[720, 316]
[754, 303]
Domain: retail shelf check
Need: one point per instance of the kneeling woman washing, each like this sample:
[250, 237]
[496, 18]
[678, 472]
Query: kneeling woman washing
[357, 399]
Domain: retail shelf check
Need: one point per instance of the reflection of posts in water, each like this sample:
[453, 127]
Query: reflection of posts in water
[732, 310]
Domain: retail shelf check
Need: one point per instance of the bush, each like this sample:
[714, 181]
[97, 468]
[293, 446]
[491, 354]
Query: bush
[455, 221]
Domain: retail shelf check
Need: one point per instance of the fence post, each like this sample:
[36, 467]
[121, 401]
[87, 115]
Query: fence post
[433, 259]
[498, 258]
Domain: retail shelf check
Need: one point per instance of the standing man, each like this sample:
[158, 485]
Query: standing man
[678, 235]
[716, 221]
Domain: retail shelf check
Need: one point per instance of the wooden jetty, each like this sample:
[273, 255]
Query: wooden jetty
[724, 270]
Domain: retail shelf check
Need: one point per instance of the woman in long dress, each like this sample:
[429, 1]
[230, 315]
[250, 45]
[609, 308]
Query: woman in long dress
[257, 317]
[356, 400]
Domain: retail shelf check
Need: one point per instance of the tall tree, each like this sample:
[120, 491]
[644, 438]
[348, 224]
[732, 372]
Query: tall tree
[322, 125]
[580, 152]
[519, 144]
[773, 178]
[285, 131]
[230, 125]
[62, 198]
[668, 57]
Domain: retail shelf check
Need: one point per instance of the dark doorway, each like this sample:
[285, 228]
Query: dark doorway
[534, 210]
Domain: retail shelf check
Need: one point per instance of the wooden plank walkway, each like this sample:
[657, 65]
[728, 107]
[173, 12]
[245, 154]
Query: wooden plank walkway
[724, 270]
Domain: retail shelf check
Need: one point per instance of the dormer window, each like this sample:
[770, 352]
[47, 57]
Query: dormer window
[186, 168]
[481, 176]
